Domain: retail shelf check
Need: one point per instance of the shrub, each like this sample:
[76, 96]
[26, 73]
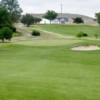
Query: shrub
[78, 20]
[35, 33]
[6, 33]
[82, 34]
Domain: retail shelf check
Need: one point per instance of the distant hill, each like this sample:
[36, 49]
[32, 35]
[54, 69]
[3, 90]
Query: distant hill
[87, 19]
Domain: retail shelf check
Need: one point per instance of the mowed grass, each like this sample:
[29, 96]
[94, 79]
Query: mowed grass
[48, 73]
[70, 29]
[51, 42]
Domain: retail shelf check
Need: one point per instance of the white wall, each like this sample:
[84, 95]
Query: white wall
[44, 21]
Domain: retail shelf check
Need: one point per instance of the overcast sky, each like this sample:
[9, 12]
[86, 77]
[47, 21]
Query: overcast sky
[85, 7]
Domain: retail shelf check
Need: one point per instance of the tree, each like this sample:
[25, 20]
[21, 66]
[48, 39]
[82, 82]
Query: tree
[78, 20]
[98, 17]
[50, 15]
[5, 19]
[13, 8]
[6, 27]
[6, 33]
[27, 19]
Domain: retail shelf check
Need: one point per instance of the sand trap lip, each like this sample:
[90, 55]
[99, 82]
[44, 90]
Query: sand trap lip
[86, 48]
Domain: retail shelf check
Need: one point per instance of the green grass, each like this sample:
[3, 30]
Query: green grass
[70, 29]
[48, 69]
[48, 73]
[47, 42]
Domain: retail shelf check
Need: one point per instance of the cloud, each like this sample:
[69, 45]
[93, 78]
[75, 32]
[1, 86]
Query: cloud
[86, 7]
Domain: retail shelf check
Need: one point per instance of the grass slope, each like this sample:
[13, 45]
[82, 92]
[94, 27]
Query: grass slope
[48, 73]
[70, 29]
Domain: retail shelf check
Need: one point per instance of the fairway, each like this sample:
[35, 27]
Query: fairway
[70, 29]
[48, 73]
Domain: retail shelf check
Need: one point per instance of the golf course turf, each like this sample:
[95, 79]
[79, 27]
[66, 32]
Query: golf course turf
[48, 73]
[49, 69]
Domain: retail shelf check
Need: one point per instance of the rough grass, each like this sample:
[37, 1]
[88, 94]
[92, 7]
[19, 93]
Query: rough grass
[48, 73]
[70, 29]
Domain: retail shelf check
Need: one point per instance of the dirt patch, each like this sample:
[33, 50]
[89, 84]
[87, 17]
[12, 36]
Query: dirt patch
[86, 48]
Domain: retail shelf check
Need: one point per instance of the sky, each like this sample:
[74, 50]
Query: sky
[84, 7]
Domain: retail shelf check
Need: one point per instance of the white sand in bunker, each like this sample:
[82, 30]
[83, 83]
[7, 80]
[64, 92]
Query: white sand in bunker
[86, 48]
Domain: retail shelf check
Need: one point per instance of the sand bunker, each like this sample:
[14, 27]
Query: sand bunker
[86, 48]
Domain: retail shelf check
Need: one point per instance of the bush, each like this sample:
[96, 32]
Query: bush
[82, 34]
[35, 33]
[78, 20]
[6, 34]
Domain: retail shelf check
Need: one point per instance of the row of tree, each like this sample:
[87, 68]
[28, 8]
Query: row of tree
[29, 19]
